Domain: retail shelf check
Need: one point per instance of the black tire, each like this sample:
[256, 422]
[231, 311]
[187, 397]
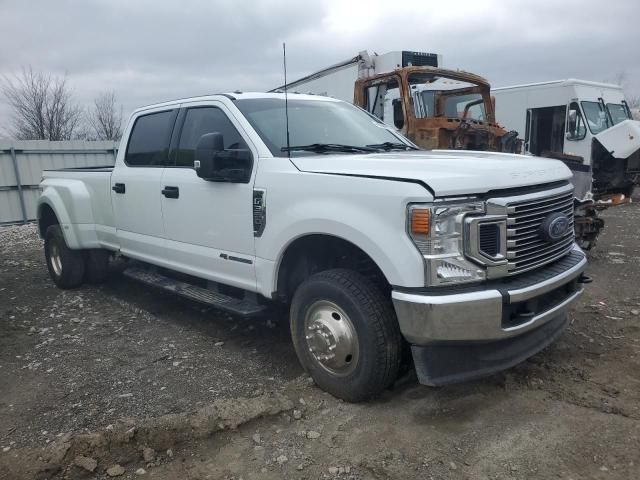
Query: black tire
[370, 314]
[66, 266]
[97, 266]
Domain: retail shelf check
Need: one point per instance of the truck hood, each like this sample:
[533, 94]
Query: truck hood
[446, 172]
[622, 140]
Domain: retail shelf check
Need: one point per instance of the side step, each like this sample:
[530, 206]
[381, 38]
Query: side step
[224, 302]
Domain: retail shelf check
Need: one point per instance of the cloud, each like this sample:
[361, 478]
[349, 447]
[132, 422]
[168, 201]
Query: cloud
[148, 51]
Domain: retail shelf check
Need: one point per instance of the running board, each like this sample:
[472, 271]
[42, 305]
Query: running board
[229, 304]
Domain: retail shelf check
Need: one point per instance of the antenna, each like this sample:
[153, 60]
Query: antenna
[286, 102]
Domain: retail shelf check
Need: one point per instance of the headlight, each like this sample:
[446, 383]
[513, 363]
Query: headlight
[438, 232]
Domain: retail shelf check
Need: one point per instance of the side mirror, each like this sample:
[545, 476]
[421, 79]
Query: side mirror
[215, 164]
[207, 147]
[572, 119]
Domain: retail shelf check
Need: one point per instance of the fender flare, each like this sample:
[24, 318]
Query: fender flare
[51, 197]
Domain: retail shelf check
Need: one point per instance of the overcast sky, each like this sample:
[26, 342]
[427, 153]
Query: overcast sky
[153, 50]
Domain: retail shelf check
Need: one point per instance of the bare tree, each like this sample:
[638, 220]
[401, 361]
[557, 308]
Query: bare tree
[105, 119]
[42, 106]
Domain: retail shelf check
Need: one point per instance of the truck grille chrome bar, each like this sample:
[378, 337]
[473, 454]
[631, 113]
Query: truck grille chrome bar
[526, 246]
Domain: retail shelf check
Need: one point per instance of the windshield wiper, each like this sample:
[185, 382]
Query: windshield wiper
[392, 146]
[328, 147]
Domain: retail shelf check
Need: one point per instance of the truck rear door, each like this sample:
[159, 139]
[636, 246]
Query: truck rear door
[136, 185]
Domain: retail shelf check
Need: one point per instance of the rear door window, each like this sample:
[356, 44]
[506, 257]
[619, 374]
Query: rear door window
[202, 120]
[149, 140]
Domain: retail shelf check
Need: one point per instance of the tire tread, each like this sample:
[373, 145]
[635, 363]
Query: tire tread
[73, 261]
[384, 327]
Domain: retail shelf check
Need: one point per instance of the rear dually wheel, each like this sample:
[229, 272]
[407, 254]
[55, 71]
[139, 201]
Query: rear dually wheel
[66, 266]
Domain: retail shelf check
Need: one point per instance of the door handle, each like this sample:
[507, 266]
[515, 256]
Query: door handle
[171, 192]
[118, 188]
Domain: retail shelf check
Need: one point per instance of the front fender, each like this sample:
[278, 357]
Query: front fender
[377, 232]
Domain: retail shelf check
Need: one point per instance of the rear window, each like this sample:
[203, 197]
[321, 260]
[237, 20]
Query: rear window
[149, 139]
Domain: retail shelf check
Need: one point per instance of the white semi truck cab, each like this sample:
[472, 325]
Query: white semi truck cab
[376, 247]
[587, 125]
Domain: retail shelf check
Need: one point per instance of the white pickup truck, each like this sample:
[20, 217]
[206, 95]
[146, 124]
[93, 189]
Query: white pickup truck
[466, 258]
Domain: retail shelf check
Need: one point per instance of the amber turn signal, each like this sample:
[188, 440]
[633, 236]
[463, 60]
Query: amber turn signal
[420, 221]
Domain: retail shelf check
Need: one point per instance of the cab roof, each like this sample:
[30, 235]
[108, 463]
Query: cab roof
[237, 96]
[567, 82]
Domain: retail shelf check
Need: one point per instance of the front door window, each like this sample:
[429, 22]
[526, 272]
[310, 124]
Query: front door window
[384, 100]
[576, 129]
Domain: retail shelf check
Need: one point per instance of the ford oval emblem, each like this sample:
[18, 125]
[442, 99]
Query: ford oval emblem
[554, 227]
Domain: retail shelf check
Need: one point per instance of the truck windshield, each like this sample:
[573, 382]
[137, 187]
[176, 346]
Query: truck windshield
[317, 123]
[618, 112]
[597, 118]
[434, 95]
[469, 106]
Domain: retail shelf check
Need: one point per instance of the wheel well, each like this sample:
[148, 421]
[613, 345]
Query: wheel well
[46, 218]
[315, 253]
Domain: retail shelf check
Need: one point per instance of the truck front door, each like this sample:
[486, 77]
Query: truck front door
[383, 98]
[208, 225]
[578, 139]
[136, 187]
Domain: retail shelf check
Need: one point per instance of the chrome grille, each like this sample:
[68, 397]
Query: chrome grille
[526, 249]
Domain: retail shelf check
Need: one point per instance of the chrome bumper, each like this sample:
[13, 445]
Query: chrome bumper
[479, 315]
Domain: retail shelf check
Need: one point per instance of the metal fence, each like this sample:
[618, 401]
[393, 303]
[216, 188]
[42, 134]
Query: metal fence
[22, 163]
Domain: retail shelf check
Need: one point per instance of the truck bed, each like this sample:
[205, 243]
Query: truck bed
[87, 191]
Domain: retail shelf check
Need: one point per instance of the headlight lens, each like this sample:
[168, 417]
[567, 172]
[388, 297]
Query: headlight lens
[441, 242]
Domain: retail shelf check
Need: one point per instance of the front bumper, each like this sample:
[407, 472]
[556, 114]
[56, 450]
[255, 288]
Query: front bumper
[507, 314]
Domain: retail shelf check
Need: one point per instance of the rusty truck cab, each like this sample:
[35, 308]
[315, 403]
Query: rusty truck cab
[436, 108]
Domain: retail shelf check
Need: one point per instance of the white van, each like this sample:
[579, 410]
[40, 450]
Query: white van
[589, 126]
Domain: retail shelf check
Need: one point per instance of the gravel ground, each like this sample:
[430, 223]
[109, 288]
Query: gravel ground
[124, 375]
[78, 359]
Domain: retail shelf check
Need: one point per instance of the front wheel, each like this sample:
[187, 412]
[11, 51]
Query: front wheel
[66, 266]
[346, 334]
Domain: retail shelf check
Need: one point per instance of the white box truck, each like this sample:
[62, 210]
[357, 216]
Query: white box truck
[589, 126]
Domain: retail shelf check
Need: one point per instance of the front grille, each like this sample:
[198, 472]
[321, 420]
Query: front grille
[526, 249]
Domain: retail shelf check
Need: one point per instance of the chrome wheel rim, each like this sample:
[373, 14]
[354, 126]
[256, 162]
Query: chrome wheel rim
[56, 259]
[331, 338]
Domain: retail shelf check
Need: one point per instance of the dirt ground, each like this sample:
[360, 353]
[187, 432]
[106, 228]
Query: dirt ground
[122, 380]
